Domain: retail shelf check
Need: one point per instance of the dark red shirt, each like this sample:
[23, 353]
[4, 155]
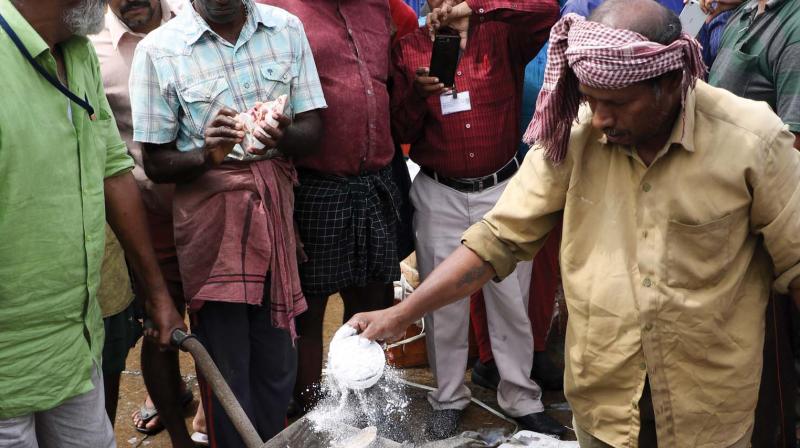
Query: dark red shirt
[503, 37]
[351, 44]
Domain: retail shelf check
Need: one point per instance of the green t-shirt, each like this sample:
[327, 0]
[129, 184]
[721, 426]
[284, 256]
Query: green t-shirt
[759, 57]
[52, 221]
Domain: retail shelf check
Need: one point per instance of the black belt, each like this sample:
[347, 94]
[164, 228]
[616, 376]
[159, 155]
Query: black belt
[475, 185]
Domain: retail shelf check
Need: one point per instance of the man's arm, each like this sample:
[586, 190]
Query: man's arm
[775, 209]
[514, 230]
[125, 213]
[164, 163]
[408, 99]
[458, 276]
[295, 138]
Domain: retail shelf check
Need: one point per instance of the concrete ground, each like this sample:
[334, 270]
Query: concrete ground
[132, 392]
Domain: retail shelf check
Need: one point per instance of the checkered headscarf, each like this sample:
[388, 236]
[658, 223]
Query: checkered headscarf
[603, 58]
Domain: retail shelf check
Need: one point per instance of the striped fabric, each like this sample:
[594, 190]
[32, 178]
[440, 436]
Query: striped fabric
[183, 73]
[603, 58]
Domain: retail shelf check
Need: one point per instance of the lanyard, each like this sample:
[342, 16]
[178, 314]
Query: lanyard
[84, 103]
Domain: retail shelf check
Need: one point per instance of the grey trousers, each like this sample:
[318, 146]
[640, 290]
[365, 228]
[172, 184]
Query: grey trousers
[79, 422]
[441, 215]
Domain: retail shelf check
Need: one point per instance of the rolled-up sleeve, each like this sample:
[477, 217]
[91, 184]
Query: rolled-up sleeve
[531, 205]
[775, 212]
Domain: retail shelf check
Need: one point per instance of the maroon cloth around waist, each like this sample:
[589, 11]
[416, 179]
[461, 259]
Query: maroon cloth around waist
[234, 226]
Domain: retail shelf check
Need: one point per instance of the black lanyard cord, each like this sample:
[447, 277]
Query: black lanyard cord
[84, 103]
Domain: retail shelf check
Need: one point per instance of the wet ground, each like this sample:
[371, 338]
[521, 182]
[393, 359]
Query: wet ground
[132, 393]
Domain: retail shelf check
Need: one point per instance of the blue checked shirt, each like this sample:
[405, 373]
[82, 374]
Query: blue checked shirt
[183, 73]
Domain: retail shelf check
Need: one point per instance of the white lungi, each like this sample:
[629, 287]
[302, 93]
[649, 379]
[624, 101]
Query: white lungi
[441, 215]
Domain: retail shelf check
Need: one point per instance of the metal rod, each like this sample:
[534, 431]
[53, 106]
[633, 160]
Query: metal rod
[223, 392]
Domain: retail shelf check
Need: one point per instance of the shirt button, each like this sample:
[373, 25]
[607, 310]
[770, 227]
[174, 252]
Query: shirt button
[646, 187]
[459, 73]
[349, 31]
[369, 92]
[467, 126]
[648, 327]
[643, 366]
[647, 283]
[247, 85]
[472, 154]
[480, 10]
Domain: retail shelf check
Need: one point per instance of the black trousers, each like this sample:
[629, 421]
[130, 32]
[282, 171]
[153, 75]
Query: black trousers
[257, 361]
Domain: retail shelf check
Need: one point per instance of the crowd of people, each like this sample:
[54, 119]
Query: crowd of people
[657, 183]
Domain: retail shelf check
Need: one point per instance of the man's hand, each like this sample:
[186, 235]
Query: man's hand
[383, 325]
[716, 7]
[271, 136]
[453, 14]
[166, 319]
[426, 85]
[221, 135]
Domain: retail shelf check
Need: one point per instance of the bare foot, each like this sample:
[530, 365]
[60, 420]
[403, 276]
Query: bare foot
[145, 423]
[199, 420]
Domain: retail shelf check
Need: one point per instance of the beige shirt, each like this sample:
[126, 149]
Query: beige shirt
[114, 46]
[666, 268]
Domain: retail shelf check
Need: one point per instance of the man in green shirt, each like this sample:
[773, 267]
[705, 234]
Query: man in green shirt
[62, 165]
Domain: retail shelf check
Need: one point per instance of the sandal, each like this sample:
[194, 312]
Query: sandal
[148, 413]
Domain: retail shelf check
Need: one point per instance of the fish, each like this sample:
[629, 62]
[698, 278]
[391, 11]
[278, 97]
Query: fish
[251, 118]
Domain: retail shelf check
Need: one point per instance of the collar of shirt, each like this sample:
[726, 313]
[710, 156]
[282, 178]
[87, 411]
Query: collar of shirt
[117, 28]
[682, 131]
[254, 18]
[29, 37]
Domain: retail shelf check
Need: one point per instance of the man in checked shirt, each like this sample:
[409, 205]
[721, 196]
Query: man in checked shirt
[467, 155]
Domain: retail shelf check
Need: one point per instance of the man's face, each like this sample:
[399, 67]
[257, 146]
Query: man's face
[633, 115]
[134, 13]
[86, 17]
[219, 11]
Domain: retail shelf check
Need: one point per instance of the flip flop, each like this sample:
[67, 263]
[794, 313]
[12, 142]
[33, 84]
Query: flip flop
[148, 413]
[199, 439]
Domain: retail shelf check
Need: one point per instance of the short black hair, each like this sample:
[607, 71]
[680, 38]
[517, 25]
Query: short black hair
[646, 17]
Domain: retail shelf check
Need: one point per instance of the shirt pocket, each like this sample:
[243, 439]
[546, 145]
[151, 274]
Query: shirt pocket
[276, 81]
[202, 100]
[698, 254]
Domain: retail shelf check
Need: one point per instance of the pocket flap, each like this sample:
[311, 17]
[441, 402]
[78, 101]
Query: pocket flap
[276, 71]
[205, 90]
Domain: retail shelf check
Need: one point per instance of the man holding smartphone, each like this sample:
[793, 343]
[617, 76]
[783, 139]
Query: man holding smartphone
[464, 136]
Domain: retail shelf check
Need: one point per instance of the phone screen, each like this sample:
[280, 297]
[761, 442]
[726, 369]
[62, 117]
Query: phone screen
[444, 58]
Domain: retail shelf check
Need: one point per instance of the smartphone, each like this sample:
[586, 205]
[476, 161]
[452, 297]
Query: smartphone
[692, 18]
[444, 59]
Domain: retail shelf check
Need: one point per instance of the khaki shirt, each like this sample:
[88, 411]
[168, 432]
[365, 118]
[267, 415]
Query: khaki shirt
[666, 268]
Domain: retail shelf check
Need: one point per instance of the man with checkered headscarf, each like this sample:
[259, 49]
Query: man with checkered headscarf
[680, 206]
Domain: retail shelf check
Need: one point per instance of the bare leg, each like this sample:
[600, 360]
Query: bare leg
[309, 352]
[371, 297]
[162, 378]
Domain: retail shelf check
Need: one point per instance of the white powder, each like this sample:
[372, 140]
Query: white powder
[378, 398]
[355, 362]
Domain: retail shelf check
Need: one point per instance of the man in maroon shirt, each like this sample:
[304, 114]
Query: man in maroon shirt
[347, 203]
[466, 145]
